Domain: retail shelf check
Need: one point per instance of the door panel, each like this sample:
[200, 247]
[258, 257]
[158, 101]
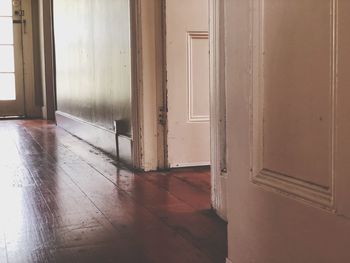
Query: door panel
[198, 86]
[187, 47]
[343, 110]
[11, 63]
[295, 62]
[288, 131]
[293, 97]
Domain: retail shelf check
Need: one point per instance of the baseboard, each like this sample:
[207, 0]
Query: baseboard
[228, 261]
[125, 149]
[184, 165]
[219, 200]
[44, 112]
[97, 136]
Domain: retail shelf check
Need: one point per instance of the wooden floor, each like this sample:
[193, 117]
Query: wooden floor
[61, 200]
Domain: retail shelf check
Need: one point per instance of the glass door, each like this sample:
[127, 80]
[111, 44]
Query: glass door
[11, 59]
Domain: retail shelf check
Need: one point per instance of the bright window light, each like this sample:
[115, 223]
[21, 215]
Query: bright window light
[7, 59]
[7, 86]
[6, 29]
[5, 7]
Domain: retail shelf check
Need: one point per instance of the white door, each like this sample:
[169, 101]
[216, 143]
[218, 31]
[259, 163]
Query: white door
[11, 65]
[187, 48]
[288, 127]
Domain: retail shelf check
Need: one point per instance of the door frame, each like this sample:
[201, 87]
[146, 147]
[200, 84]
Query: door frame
[136, 71]
[218, 107]
[149, 92]
[148, 81]
[16, 108]
[47, 58]
[32, 92]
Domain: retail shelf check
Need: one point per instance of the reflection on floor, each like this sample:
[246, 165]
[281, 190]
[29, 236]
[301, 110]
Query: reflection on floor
[61, 200]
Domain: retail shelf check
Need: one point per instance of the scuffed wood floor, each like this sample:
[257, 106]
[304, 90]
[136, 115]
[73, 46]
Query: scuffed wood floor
[62, 200]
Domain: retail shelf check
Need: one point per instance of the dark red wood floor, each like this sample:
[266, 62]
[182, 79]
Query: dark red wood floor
[61, 200]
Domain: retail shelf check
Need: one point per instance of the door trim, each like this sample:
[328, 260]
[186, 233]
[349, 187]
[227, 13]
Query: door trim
[148, 93]
[49, 60]
[218, 107]
[47, 66]
[136, 82]
[32, 107]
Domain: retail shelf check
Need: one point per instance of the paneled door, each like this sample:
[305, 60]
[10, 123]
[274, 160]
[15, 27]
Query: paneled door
[11, 60]
[288, 127]
[187, 57]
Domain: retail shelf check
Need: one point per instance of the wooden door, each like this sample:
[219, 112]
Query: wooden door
[11, 59]
[287, 70]
[187, 56]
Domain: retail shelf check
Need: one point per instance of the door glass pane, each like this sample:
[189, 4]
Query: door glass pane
[7, 63]
[5, 7]
[6, 29]
[7, 86]
[7, 59]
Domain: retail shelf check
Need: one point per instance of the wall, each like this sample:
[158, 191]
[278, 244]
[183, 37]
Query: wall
[93, 61]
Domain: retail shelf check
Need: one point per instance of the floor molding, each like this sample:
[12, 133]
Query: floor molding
[97, 136]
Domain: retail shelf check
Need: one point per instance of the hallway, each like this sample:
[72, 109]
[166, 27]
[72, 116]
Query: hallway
[62, 200]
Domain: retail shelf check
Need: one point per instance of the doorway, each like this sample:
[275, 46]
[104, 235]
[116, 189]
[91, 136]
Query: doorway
[153, 88]
[11, 63]
[187, 63]
[195, 86]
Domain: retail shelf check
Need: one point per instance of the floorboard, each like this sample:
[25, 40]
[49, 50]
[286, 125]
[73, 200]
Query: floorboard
[62, 200]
